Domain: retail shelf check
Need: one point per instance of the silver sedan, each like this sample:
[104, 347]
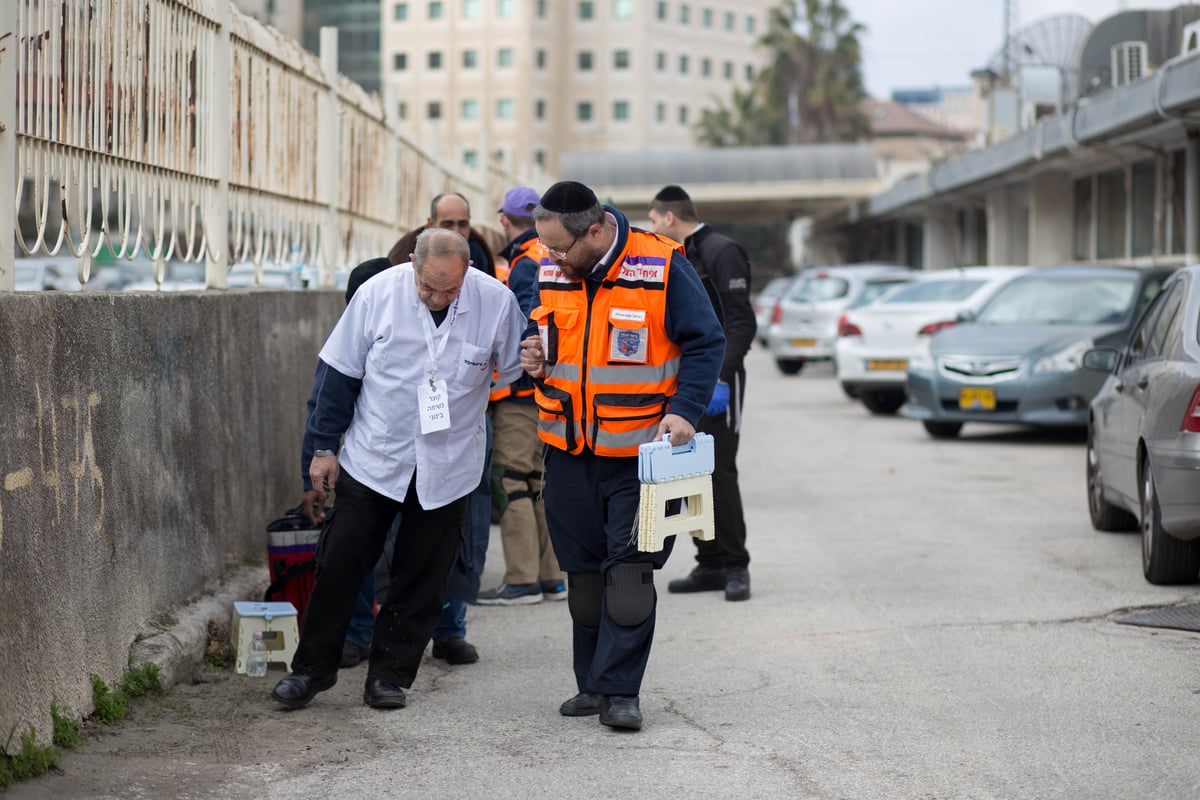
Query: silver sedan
[1143, 456]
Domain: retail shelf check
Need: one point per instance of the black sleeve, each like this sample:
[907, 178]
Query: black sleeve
[729, 270]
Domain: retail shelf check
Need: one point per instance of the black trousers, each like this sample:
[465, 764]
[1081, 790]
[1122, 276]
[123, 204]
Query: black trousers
[426, 545]
[728, 548]
[591, 504]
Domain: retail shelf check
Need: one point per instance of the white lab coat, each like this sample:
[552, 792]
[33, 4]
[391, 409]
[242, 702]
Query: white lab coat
[380, 339]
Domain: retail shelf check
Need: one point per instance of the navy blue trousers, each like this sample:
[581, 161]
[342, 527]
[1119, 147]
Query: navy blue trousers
[591, 505]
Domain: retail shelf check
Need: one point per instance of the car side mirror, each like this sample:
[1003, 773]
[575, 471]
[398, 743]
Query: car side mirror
[1101, 359]
[966, 315]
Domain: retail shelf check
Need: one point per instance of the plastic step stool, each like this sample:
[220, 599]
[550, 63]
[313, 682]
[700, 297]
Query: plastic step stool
[280, 630]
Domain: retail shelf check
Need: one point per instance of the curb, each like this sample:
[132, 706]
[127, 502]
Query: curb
[179, 650]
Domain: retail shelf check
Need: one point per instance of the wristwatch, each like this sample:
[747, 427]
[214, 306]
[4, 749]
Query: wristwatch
[323, 453]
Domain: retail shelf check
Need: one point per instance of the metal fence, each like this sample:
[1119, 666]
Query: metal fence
[185, 130]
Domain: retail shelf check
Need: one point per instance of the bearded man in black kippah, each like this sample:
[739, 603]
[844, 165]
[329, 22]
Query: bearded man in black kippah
[724, 269]
[624, 348]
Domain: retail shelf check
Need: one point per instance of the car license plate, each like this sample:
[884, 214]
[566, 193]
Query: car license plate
[804, 342]
[975, 398]
[887, 364]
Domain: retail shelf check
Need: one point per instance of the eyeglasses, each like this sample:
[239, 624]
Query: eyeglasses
[554, 251]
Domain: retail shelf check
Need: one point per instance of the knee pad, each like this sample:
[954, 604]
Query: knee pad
[583, 597]
[629, 593]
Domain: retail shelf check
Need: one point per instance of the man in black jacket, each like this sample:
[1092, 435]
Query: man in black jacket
[724, 269]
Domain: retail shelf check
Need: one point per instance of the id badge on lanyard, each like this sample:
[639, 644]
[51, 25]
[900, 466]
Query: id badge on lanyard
[433, 399]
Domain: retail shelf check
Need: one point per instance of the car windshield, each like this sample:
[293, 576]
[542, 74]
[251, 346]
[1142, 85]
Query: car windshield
[873, 290]
[1061, 300]
[936, 291]
[819, 288]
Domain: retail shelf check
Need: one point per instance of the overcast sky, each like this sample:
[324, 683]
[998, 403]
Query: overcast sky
[922, 43]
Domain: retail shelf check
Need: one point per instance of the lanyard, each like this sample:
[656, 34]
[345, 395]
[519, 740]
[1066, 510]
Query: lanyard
[435, 353]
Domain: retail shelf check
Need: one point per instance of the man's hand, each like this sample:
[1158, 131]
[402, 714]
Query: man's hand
[533, 357]
[323, 470]
[680, 429]
[720, 400]
[315, 513]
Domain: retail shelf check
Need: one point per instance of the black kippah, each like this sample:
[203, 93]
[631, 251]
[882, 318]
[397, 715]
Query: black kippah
[672, 194]
[568, 197]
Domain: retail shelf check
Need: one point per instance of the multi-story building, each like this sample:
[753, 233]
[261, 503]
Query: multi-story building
[357, 22]
[523, 81]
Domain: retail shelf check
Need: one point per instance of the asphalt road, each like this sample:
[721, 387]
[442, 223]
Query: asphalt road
[929, 620]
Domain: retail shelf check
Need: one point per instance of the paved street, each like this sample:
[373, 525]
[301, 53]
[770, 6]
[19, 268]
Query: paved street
[929, 620]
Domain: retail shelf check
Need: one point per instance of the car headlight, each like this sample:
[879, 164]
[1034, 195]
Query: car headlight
[1068, 359]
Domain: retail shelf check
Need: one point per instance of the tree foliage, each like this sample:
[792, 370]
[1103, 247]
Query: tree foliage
[811, 89]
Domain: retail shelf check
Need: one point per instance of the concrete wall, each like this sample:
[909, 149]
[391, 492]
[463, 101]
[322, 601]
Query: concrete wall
[147, 441]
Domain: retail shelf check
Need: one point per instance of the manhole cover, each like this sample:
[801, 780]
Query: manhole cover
[1184, 618]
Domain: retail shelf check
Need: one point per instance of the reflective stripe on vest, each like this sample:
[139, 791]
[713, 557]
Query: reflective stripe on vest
[619, 402]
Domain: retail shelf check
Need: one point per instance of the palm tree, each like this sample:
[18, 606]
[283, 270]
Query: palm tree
[811, 89]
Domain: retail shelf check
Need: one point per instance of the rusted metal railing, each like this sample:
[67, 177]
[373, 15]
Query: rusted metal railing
[184, 130]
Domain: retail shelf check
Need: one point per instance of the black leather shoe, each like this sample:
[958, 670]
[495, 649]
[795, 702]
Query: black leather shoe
[701, 579]
[622, 712]
[737, 584]
[381, 694]
[353, 655]
[297, 691]
[455, 650]
[584, 704]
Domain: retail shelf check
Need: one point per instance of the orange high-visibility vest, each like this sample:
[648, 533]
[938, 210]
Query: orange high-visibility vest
[611, 368]
[532, 249]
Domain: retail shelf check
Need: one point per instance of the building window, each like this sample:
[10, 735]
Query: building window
[435, 10]
[660, 11]
[706, 67]
[506, 108]
[706, 17]
[539, 156]
[749, 72]
[749, 25]
[728, 70]
[471, 9]
[621, 110]
[587, 10]
[435, 59]
[683, 115]
[683, 64]
[434, 110]
[1110, 214]
[470, 109]
[621, 59]
[1143, 182]
[583, 112]
[729, 20]
[471, 158]
[660, 112]
[504, 57]
[1083, 219]
[400, 62]
[539, 58]
[470, 59]
[685, 13]
[402, 110]
[539, 109]
[506, 8]
[660, 61]
[585, 60]
[541, 9]
[622, 9]
[400, 12]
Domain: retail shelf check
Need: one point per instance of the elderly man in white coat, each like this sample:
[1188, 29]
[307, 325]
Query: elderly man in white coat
[409, 368]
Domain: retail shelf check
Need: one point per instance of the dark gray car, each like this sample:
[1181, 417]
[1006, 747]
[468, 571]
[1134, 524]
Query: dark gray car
[1143, 457]
[1019, 360]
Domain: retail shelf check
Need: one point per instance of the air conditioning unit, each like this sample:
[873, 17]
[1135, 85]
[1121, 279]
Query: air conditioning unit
[1129, 62]
[1191, 38]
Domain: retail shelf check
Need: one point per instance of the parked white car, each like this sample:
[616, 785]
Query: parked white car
[804, 323]
[45, 273]
[876, 342]
[764, 304]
